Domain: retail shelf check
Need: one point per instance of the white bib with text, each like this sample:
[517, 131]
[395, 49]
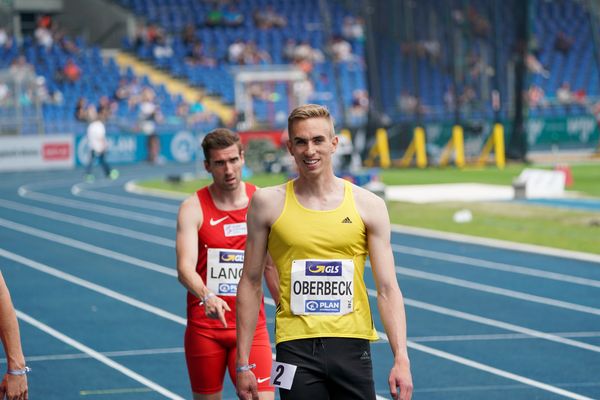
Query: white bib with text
[223, 270]
[322, 287]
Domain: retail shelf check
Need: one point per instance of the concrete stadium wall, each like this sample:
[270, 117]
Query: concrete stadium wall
[100, 22]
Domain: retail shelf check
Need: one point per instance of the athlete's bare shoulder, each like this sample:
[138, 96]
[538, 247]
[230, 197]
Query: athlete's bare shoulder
[190, 210]
[268, 202]
[370, 206]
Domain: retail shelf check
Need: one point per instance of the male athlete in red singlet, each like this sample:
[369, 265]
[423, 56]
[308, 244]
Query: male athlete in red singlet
[211, 236]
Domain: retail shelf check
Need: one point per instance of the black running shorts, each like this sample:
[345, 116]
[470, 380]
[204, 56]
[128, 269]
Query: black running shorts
[328, 369]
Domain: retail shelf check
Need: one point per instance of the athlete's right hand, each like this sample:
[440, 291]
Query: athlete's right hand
[246, 386]
[215, 308]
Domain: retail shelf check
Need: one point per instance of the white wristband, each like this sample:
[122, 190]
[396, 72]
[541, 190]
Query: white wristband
[18, 372]
[205, 298]
[243, 368]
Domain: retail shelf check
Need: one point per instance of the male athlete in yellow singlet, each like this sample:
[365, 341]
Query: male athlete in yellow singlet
[319, 230]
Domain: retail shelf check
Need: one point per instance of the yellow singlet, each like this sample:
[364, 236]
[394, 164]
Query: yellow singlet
[320, 257]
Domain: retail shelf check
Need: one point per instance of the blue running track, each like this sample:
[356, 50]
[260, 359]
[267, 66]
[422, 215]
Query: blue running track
[91, 269]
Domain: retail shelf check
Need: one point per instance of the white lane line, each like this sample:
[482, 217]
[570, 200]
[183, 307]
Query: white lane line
[97, 356]
[497, 243]
[92, 286]
[81, 190]
[84, 222]
[496, 371]
[502, 325]
[498, 336]
[132, 187]
[146, 307]
[480, 263]
[124, 353]
[493, 322]
[487, 388]
[496, 290]
[111, 211]
[87, 247]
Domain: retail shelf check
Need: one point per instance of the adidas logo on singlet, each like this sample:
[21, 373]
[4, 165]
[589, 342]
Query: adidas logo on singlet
[346, 220]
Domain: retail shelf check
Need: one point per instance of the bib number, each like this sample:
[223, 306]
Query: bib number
[223, 270]
[282, 375]
[322, 287]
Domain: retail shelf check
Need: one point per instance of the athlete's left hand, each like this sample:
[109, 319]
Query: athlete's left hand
[246, 386]
[400, 381]
[215, 308]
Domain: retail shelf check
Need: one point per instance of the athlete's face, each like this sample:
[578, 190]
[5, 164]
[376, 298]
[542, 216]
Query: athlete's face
[312, 144]
[225, 165]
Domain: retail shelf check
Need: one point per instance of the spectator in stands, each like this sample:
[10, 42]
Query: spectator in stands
[43, 36]
[360, 104]
[197, 112]
[268, 18]
[235, 50]
[81, 110]
[341, 50]
[479, 24]
[353, 28]
[232, 16]
[289, 50]
[149, 112]
[450, 98]
[20, 70]
[535, 66]
[188, 35]
[71, 72]
[106, 108]
[536, 96]
[252, 55]
[162, 48]
[407, 102]
[305, 56]
[44, 95]
[563, 43]
[122, 91]
[66, 43]
[214, 17]
[5, 94]
[6, 40]
[564, 94]
[197, 56]
[580, 97]
[468, 99]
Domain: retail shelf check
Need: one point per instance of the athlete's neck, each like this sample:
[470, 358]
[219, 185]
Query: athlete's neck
[229, 199]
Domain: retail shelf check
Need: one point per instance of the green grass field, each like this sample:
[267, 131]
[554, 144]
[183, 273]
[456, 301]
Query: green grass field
[547, 226]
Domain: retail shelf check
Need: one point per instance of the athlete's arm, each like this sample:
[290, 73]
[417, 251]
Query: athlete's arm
[189, 220]
[390, 303]
[272, 279]
[250, 291]
[12, 386]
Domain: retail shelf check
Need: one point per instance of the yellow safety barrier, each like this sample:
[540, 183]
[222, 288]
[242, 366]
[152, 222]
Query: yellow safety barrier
[380, 149]
[457, 144]
[496, 143]
[416, 149]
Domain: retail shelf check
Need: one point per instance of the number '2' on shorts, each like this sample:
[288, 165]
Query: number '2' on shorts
[328, 368]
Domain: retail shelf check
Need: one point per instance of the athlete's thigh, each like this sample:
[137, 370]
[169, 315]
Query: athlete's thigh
[206, 353]
[350, 369]
[309, 380]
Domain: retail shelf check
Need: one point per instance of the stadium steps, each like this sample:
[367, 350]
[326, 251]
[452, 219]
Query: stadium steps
[173, 85]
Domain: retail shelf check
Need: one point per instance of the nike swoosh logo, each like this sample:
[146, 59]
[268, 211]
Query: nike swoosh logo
[261, 380]
[214, 222]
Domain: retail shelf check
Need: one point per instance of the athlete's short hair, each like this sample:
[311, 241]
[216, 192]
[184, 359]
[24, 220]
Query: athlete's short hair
[308, 111]
[218, 139]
